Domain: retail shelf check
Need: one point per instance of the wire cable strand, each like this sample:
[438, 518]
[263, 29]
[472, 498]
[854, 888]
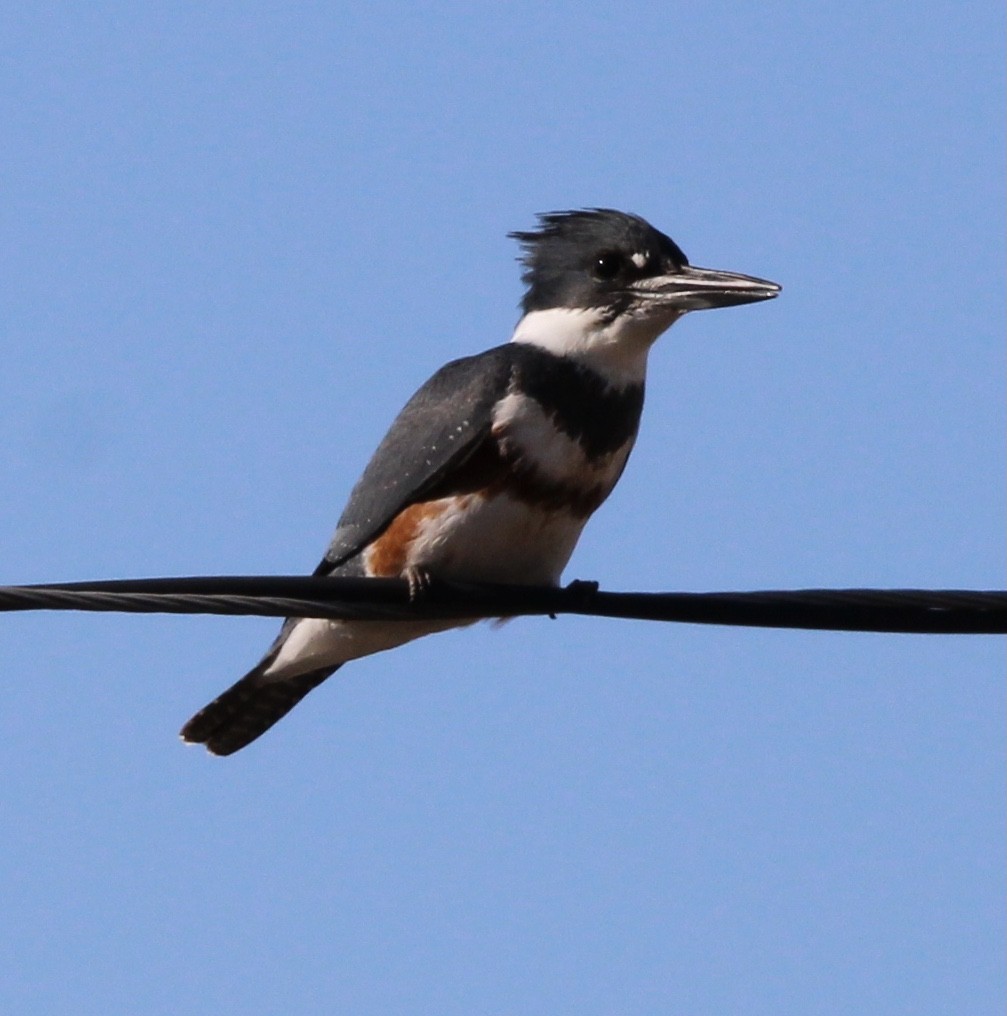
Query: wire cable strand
[921, 611]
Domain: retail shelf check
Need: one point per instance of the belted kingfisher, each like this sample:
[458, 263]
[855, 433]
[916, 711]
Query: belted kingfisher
[493, 467]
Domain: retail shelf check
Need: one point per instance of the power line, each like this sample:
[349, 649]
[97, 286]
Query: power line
[922, 611]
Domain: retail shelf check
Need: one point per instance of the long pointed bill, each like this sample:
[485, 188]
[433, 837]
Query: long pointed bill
[691, 288]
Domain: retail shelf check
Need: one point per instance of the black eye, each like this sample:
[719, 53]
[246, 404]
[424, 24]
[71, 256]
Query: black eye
[608, 265]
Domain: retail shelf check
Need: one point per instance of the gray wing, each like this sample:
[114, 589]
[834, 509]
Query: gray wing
[437, 430]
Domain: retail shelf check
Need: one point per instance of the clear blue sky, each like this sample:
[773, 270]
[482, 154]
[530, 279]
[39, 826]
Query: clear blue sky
[235, 238]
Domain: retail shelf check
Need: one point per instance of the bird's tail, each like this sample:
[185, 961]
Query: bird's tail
[249, 708]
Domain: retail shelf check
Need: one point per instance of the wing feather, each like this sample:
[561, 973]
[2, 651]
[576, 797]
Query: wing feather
[436, 432]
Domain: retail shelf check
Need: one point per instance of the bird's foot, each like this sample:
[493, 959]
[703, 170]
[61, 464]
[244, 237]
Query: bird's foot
[419, 580]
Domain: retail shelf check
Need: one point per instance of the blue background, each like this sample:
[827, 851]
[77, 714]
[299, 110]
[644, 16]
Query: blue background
[235, 238]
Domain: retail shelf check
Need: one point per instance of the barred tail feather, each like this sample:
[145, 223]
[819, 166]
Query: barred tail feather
[249, 708]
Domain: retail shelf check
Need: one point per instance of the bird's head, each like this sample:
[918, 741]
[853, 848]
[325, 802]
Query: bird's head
[602, 285]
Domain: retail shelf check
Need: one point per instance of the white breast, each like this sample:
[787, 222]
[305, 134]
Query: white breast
[496, 539]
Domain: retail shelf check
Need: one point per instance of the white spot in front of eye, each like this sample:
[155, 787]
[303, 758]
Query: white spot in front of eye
[640, 259]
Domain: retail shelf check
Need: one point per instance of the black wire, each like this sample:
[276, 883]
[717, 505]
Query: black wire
[924, 611]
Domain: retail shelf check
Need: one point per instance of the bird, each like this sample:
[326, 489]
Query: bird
[491, 470]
